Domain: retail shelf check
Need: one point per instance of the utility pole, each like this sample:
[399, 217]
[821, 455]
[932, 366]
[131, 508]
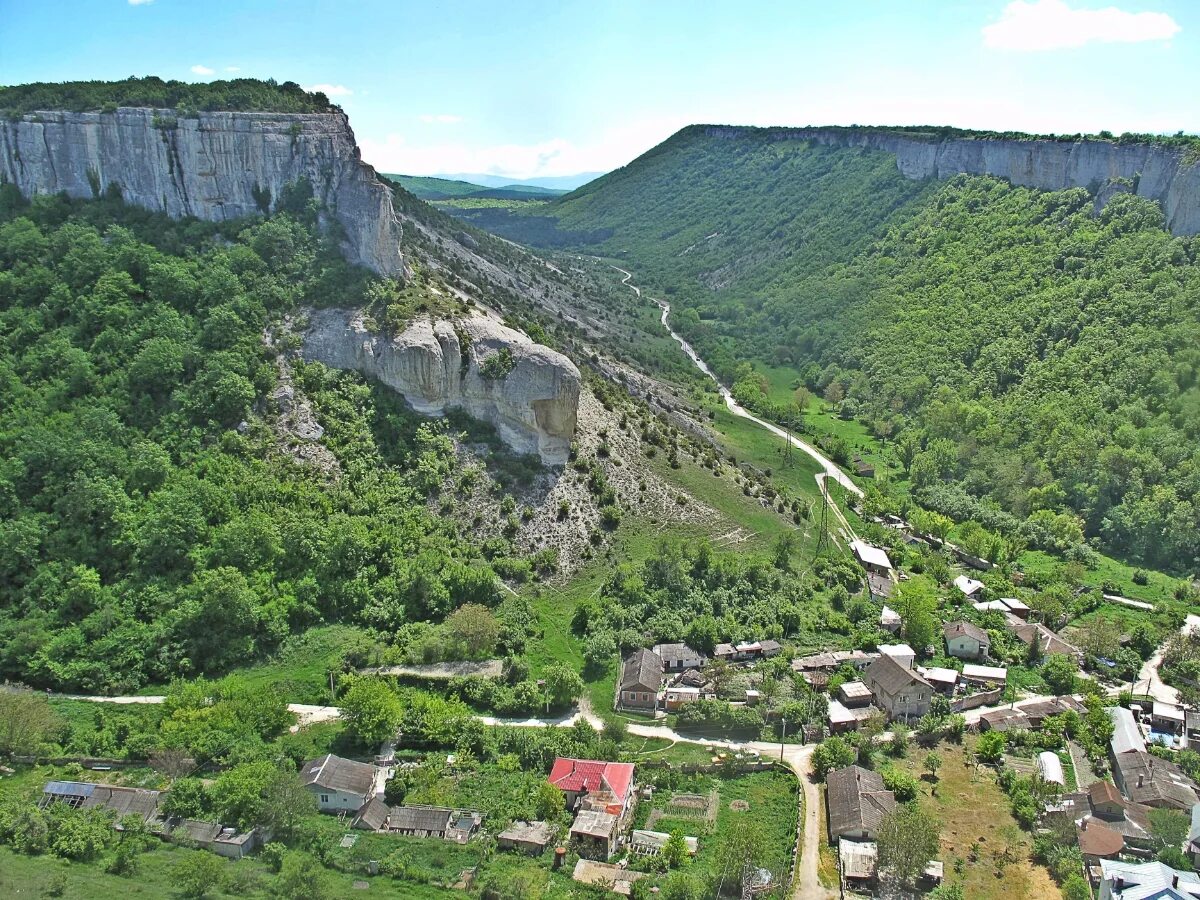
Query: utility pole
[782, 738]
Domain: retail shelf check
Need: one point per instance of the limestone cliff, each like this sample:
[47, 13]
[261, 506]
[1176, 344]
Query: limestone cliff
[533, 404]
[215, 166]
[1164, 174]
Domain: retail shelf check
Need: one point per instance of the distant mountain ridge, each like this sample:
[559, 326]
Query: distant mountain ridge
[432, 188]
[554, 182]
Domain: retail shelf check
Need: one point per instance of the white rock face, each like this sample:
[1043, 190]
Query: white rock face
[1161, 173]
[533, 407]
[210, 167]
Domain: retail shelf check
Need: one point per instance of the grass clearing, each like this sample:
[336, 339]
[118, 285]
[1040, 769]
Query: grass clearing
[974, 812]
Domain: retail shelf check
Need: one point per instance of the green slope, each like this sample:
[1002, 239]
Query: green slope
[1041, 359]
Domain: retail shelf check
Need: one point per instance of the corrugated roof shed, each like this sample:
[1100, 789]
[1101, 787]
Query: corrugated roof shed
[869, 555]
[1127, 736]
[336, 773]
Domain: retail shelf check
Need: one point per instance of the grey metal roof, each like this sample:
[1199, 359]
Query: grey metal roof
[69, 788]
[1162, 782]
[676, 653]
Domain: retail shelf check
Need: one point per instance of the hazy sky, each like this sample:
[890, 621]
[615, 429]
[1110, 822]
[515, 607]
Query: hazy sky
[557, 87]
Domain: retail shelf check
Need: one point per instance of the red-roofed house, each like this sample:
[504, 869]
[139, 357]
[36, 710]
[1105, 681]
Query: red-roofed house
[606, 786]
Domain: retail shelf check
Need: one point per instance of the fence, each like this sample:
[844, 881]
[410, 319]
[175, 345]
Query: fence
[974, 701]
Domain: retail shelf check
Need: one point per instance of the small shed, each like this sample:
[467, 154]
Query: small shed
[526, 837]
[855, 693]
[650, 843]
[889, 619]
[942, 679]
[969, 586]
[987, 675]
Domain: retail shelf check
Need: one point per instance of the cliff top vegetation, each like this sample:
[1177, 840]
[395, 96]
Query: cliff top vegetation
[235, 95]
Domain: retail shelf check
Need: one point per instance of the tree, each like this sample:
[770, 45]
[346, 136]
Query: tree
[474, 627]
[675, 851]
[1059, 673]
[237, 794]
[903, 785]
[286, 804]
[563, 685]
[1169, 828]
[26, 722]
[832, 753]
[197, 874]
[916, 602]
[187, 799]
[372, 710]
[301, 878]
[933, 762]
[1075, 888]
[908, 840]
[990, 746]
[549, 803]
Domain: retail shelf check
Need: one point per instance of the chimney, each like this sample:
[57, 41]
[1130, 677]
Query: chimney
[1141, 778]
[1175, 880]
[1083, 825]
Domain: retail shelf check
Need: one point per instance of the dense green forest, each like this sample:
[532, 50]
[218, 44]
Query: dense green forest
[152, 527]
[238, 94]
[1034, 361]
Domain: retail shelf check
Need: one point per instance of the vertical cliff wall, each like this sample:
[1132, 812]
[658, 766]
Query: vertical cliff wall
[1164, 174]
[215, 166]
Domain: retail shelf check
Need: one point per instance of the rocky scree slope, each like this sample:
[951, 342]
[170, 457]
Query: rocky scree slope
[213, 165]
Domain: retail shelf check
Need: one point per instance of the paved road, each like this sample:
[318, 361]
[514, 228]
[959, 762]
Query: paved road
[830, 467]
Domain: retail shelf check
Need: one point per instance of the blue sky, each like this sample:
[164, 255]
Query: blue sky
[552, 88]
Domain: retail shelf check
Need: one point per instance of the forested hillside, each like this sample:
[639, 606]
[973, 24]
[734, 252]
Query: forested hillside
[238, 94]
[151, 527]
[1032, 358]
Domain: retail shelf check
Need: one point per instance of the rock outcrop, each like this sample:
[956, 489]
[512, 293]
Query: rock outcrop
[215, 166]
[532, 400]
[1167, 175]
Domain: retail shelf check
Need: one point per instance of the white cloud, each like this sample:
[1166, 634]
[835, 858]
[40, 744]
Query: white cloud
[202, 70]
[233, 68]
[558, 156]
[443, 119]
[331, 90]
[1053, 25]
[140, 2]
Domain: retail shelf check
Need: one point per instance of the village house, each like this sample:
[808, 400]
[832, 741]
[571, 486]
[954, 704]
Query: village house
[872, 559]
[1130, 820]
[1004, 720]
[1193, 843]
[855, 803]
[899, 691]
[965, 640]
[943, 680]
[1042, 710]
[594, 834]
[677, 696]
[372, 816]
[526, 837]
[434, 822]
[901, 653]
[879, 586]
[123, 801]
[969, 587]
[1154, 782]
[339, 784]
[677, 657]
[1097, 841]
[844, 718]
[1127, 736]
[606, 785]
[724, 652]
[855, 693]
[1017, 607]
[1146, 881]
[641, 678]
[1047, 642]
[889, 620]
[988, 676]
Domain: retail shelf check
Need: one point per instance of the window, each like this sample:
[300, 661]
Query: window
[921, 696]
[324, 798]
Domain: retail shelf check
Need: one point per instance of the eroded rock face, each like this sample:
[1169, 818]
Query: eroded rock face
[533, 406]
[1166, 175]
[220, 165]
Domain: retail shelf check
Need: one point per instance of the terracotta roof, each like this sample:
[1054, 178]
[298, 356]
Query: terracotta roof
[587, 775]
[966, 629]
[642, 669]
[1097, 839]
[337, 774]
[1104, 792]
